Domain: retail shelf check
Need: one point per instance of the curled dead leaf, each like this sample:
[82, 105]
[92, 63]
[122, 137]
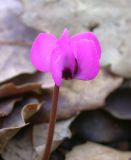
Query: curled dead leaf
[92, 151]
[10, 89]
[44, 79]
[17, 120]
[7, 105]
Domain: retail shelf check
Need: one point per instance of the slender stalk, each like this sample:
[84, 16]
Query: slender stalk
[51, 123]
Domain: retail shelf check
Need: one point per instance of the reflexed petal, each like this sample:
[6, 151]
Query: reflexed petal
[87, 60]
[62, 59]
[64, 38]
[41, 51]
[87, 36]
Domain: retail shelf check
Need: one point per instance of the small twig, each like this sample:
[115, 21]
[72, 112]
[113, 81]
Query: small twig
[51, 123]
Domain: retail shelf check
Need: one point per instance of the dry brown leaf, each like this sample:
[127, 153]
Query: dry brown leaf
[79, 95]
[7, 105]
[26, 83]
[20, 147]
[44, 79]
[15, 41]
[40, 136]
[91, 94]
[10, 89]
[76, 96]
[17, 120]
[92, 151]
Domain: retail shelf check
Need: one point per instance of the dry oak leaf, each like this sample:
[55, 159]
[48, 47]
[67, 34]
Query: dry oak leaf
[16, 121]
[92, 151]
[15, 41]
[76, 96]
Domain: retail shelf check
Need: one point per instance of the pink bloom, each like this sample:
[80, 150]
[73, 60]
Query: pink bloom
[75, 57]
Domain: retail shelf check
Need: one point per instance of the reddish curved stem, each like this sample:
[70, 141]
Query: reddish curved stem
[51, 123]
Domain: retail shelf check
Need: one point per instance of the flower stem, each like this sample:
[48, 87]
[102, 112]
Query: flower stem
[51, 123]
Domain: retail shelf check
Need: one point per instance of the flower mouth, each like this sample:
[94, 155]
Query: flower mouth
[67, 74]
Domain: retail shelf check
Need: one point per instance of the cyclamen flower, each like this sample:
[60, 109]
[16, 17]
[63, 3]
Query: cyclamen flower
[75, 57]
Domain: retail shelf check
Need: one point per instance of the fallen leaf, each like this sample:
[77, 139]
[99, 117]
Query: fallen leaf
[16, 121]
[20, 147]
[87, 94]
[10, 89]
[15, 42]
[116, 51]
[92, 151]
[44, 79]
[40, 136]
[76, 96]
[6, 106]
[75, 12]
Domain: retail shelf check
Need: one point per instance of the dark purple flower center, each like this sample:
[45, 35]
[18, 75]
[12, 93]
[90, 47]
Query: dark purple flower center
[66, 74]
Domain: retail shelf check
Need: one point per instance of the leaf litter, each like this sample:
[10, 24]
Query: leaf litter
[25, 101]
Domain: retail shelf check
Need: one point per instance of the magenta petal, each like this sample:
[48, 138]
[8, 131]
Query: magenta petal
[41, 51]
[62, 59]
[87, 60]
[64, 38]
[87, 36]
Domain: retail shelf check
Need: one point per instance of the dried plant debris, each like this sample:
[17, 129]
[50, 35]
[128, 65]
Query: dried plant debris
[45, 79]
[16, 121]
[118, 103]
[23, 84]
[40, 136]
[25, 95]
[92, 151]
[66, 146]
[7, 105]
[100, 126]
[10, 89]
[30, 143]
[15, 41]
[20, 147]
[76, 96]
